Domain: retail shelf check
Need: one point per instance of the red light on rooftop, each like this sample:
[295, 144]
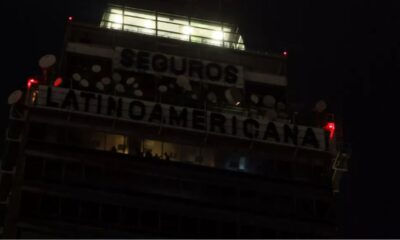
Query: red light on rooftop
[285, 53]
[58, 82]
[330, 127]
[31, 81]
[70, 18]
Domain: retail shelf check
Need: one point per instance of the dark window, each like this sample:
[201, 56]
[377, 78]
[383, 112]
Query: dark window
[69, 208]
[169, 224]
[33, 168]
[89, 211]
[130, 217]
[227, 230]
[189, 227]
[53, 171]
[73, 173]
[110, 214]
[207, 228]
[304, 207]
[149, 219]
[30, 203]
[50, 205]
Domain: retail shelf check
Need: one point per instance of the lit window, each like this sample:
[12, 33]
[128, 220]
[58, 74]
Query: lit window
[172, 26]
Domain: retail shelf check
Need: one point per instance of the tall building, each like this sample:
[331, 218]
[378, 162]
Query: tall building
[161, 125]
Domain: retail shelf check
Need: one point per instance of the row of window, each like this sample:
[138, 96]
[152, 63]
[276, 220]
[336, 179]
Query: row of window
[144, 220]
[171, 26]
[125, 181]
[200, 154]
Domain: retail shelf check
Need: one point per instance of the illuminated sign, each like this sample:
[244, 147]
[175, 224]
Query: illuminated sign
[175, 66]
[151, 113]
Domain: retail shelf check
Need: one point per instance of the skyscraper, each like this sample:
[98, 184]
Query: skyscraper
[162, 125]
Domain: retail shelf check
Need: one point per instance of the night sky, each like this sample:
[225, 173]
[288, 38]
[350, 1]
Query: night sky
[344, 52]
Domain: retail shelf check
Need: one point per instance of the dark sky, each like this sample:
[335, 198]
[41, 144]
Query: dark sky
[346, 52]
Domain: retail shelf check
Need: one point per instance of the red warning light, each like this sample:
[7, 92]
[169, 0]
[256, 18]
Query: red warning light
[330, 127]
[70, 18]
[31, 81]
[58, 82]
[285, 53]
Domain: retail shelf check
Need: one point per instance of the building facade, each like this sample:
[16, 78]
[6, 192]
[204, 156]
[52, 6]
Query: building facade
[158, 125]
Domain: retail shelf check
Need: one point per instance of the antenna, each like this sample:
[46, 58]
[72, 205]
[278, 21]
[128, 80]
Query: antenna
[46, 62]
[15, 97]
[320, 106]
[269, 101]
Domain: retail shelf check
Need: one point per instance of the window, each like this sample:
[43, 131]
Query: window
[172, 26]
[179, 152]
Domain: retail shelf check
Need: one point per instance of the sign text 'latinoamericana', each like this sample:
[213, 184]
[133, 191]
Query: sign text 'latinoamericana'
[189, 119]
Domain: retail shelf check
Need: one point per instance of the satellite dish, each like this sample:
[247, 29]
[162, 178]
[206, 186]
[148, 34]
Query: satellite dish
[281, 106]
[269, 101]
[120, 88]
[162, 88]
[117, 77]
[212, 97]
[138, 93]
[106, 80]
[84, 83]
[130, 80]
[233, 96]
[254, 99]
[47, 61]
[184, 83]
[15, 97]
[96, 68]
[76, 76]
[100, 86]
[320, 106]
[271, 114]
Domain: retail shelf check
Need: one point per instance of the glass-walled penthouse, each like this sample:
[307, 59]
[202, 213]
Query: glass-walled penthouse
[172, 26]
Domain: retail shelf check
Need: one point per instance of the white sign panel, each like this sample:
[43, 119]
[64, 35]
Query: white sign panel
[189, 119]
[176, 66]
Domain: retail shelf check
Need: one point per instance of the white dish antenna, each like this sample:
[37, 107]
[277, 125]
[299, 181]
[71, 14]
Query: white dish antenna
[233, 96]
[120, 88]
[138, 93]
[271, 114]
[130, 80]
[184, 83]
[76, 76]
[117, 77]
[96, 68]
[254, 99]
[84, 83]
[281, 106]
[162, 88]
[320, 106]
[100, 86]
[106, 80]
[269, 101]
[47, 61]
[15, 97]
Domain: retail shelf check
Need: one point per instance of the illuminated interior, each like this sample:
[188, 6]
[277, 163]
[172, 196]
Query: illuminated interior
[172, 26]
